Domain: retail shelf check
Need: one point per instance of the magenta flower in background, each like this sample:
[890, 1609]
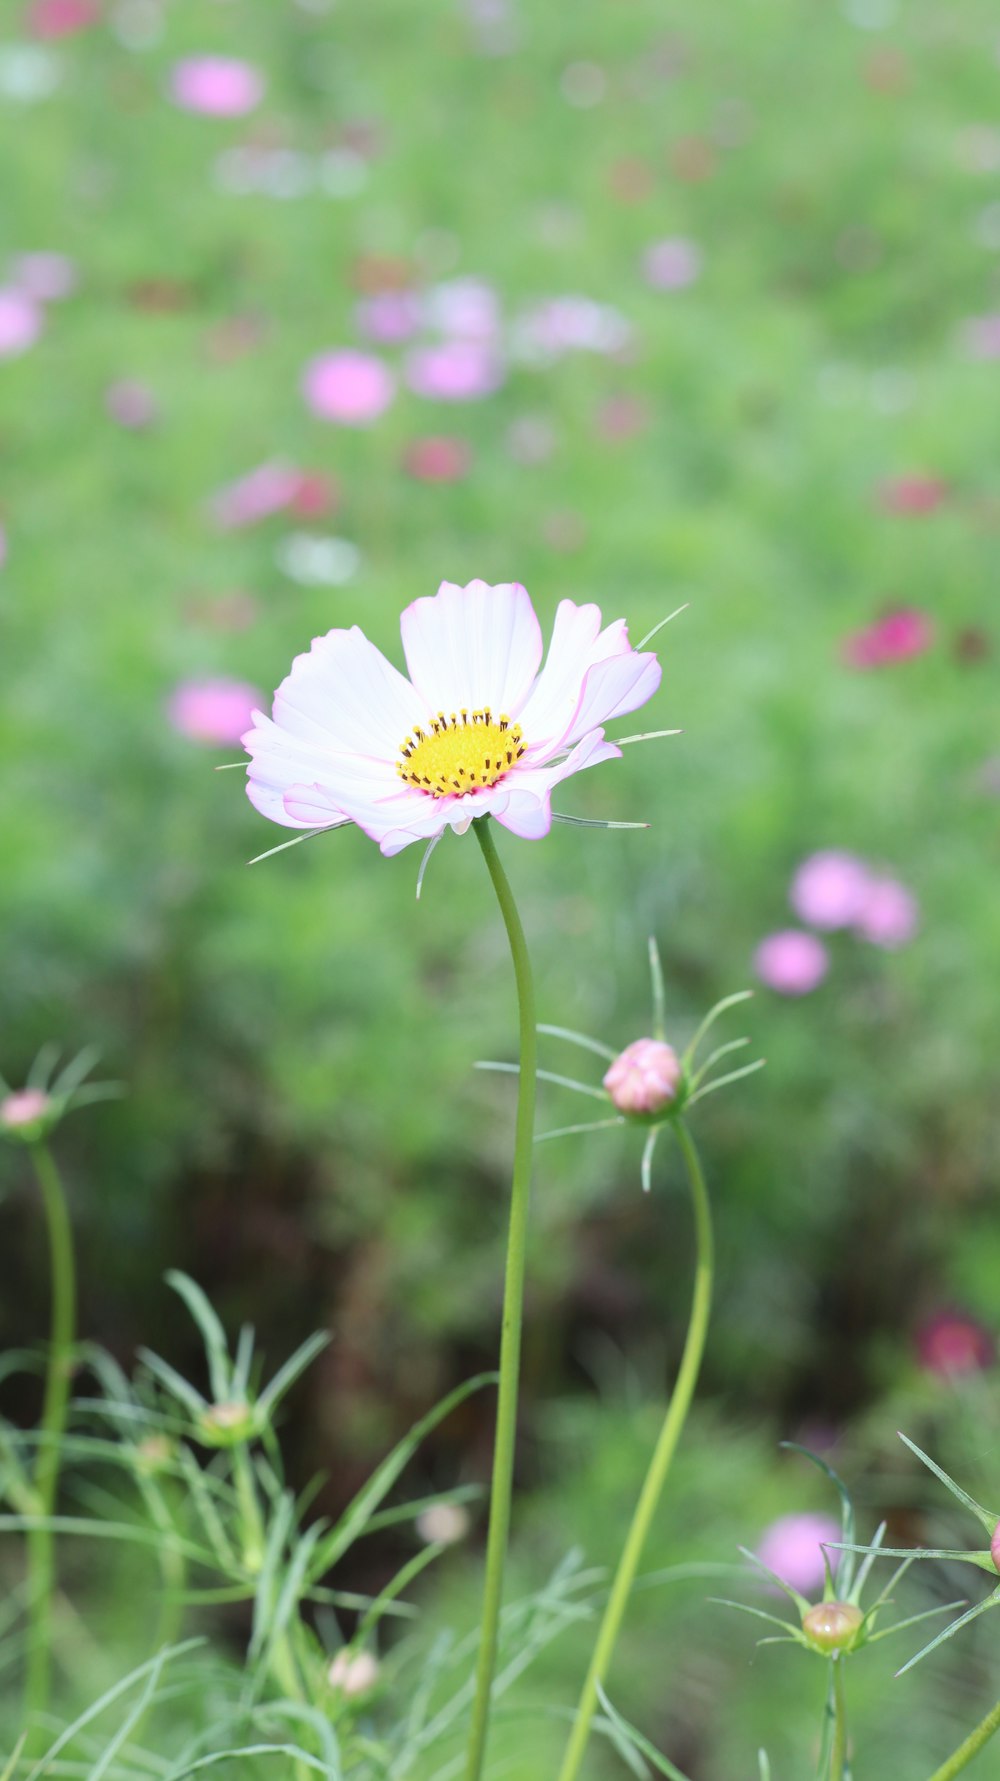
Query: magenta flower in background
[60, 18]
[44, 277]
[20, 322]
[218, 86]
[952, 1342]
[912, 494]
[792, 1547]
[438, 459]
[266, 490]
[389, 316]
[455, 371]
[476, 730]
[672, 265]
[889, 916]
[131, 404]
[830, 889]
[791, 962]
[213, 711]
[895, 638]
[351, 388]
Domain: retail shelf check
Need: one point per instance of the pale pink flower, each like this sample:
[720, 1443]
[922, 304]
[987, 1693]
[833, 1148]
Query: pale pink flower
[829, 889]
[543, 333]
[218, 86]
[353, 1673]
[443, 1524]
[23, 1108]
[894, 638]
[671, 265]
[952, 1342]
[44, 277]
[912, 494]
[438, 459]
[20, 322]
[351, 388]
[645, 1077]
[253, 497]
[889, 916]
[791, 962]
[792, 1547]
[465, 308]
[476, 730]
[213, 711]
[455, 371]
[389, 316]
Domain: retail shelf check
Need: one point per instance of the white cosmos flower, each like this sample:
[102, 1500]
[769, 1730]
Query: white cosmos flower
[476, 729]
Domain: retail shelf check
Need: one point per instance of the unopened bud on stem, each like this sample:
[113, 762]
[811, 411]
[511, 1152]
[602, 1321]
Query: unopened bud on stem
[833, 1626]
[645, 1078]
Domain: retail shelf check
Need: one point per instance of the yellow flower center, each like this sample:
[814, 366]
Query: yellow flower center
[462, 753]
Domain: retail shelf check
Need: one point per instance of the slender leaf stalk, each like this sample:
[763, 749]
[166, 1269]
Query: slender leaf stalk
[976, 1741]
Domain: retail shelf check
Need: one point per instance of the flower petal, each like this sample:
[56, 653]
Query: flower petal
[344, 694]
[577, 644]
[528, 812]
[472, 647]
[611, 689]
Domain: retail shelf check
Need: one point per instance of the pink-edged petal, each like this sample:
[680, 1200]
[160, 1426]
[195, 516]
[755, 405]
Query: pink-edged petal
[281, 761]
[613, 688]
[578, 642]
[529, 808]
[472, 647]
[346, 696]
[310, 807]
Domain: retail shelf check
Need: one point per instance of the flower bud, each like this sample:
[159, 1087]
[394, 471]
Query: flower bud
[443, 1524]
[995, 1547]
[833, 1626]
[353, 1673]
[25, 1113]
[227, 1424]
[645, 1078]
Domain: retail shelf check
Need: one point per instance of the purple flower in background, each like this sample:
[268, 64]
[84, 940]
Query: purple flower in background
[791, 962]
[792, 1547]
[213, 711]
[266, 490]
[830, 889]
[217, 86]
[673, 264]
[20, 322]
[889, 916]
[351, 388]
[44, 277]
[389, 316]
[455, 371]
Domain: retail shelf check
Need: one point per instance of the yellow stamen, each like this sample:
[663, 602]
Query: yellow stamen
[465, 752]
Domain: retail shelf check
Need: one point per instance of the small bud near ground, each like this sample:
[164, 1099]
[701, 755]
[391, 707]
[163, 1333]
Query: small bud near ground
[833, 1626]
[645, 1078]
[353, 1673]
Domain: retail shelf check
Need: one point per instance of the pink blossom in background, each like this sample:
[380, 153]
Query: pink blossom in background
[981, 337]
[389, 316]
[351, 388]
[889, 916]
[951, 1342]
[672, 265]
[438, 459]
[560, 325]
[622, 417]
[60, 18]
[455, 371]
[791, 962]
[645, 1077]
[830, 889]
[20, 322]
[23, 1107]
[912, 494]
[213, 711]
[895, 638]
[464, 308]
[131, 404]
[44, 277]
[266, 490]
[218, 86]
[792, 1547]
[316, 495]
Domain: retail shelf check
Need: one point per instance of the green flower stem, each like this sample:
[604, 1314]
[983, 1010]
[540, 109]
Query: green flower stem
[838, 1757]
[973, 1744]
[41, 1546]
[513, 1307]
[659, 1467]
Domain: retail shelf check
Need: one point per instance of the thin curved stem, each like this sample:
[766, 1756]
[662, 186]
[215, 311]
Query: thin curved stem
[659, 1467]
[975, 1742]
[838, 1755]
[41, 1542]
[513, 1308]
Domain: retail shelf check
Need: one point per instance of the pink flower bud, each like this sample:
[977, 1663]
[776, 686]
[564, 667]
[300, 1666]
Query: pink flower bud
[645, 1077]
[833, 1626]
[24, 1108]
[995, 1547]
[353, 1672]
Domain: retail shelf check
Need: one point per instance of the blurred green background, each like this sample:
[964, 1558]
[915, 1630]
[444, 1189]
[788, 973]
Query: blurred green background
[788, 422]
